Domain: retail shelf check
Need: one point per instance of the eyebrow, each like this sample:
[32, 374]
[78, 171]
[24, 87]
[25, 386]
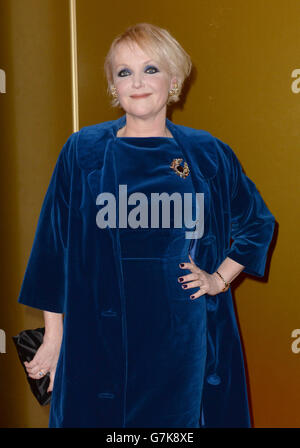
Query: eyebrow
[146, 62]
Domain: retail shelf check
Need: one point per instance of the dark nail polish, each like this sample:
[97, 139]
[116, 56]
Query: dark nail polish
[184, 286]
[192, 297]
[181, 265]
[180, 279]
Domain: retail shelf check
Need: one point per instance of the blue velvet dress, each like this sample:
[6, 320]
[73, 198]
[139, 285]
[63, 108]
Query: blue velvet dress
[136, 351]
[150, 263]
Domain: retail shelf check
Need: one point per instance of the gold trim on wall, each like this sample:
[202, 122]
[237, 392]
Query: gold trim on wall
[74, 70]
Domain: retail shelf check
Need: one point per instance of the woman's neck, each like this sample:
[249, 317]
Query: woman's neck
[143, 128]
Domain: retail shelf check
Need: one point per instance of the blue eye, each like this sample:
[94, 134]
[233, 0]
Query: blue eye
[151, 69]
[123, 72]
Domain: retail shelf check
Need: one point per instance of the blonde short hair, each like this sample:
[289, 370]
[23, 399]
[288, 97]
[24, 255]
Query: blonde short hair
[161, 45]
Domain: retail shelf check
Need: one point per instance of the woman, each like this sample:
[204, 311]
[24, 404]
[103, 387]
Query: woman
[149, 336]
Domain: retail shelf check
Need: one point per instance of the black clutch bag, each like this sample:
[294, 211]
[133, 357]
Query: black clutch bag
[27, 343]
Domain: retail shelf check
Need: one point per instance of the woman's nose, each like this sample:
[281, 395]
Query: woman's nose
[137, 81]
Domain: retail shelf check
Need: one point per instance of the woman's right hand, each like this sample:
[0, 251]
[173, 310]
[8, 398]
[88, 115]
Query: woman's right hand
[45, 360]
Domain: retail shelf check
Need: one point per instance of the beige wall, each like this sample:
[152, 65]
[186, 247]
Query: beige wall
[244, 53]
[36, 119]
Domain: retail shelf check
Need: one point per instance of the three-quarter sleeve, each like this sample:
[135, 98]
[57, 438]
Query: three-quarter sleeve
[252, 223]
[44, 281]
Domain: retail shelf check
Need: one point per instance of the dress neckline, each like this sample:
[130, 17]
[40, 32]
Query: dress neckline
[146, 142]
[146, 138]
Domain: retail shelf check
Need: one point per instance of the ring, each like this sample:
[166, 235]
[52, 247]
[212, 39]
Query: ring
[41, 373]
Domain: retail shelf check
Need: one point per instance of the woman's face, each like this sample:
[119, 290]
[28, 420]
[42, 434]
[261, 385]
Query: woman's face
[142, 83]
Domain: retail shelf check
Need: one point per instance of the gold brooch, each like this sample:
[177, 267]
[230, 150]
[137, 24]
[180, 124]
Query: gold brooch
[182, 171]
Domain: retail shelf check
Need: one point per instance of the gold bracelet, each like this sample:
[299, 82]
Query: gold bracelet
[227, 285]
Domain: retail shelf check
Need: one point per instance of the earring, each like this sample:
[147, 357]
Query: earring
[113, 92]
[174, 91]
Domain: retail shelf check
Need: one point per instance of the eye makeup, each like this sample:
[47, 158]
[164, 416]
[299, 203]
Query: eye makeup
[122, 72]
[150, 69]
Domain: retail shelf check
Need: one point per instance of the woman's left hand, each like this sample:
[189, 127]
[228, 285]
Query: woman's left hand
[210, 284]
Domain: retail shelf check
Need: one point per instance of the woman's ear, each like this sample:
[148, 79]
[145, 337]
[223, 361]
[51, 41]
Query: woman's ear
[174, 81]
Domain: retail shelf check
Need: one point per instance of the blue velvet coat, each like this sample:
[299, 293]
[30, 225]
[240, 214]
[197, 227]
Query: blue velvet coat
[74, 268]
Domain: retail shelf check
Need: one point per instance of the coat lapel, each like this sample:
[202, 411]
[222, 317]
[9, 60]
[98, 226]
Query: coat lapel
[202, 161]
[95, 156]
